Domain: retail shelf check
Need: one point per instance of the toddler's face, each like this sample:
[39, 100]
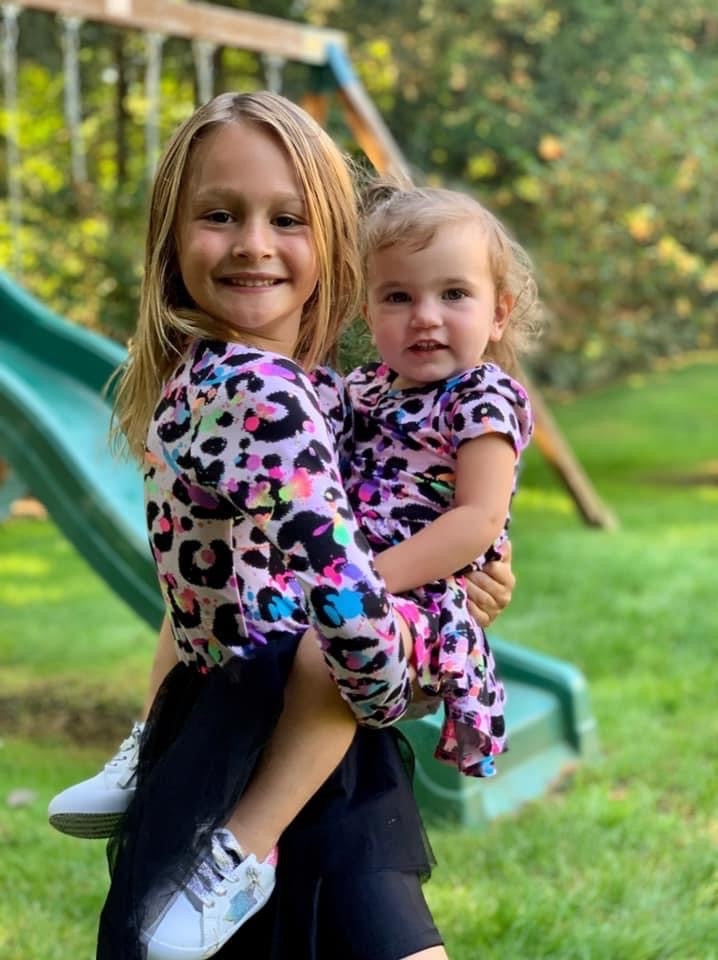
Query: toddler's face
[433, 311]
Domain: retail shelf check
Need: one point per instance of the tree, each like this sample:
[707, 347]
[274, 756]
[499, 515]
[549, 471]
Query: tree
[587, 125]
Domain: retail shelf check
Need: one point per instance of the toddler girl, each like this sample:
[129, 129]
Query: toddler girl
[430, 452]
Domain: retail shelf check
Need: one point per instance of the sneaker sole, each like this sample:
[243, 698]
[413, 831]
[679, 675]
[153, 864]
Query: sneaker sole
[86, 826]
[160, 950]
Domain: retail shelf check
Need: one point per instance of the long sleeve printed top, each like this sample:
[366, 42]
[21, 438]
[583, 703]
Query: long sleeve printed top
[251, 530]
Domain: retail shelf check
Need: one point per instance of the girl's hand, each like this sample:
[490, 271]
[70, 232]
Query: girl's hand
[489, 590]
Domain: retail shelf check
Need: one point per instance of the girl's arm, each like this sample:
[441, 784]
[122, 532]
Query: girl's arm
[484, 482]
[288, 484]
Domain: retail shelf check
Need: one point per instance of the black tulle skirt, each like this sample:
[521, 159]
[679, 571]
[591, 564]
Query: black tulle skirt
[358, 842]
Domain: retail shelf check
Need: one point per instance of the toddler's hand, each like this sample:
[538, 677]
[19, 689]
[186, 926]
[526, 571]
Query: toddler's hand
[490, 590]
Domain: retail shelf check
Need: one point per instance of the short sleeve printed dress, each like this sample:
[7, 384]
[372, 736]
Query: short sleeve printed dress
[400, 477]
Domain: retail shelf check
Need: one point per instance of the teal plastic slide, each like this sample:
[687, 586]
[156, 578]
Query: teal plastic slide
[54, 422]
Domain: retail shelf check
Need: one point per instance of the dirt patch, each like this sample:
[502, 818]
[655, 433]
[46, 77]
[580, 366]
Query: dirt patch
[78, 713]
[705, 476]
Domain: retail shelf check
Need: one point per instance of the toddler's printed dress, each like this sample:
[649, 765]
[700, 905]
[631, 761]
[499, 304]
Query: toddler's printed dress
[398, 457]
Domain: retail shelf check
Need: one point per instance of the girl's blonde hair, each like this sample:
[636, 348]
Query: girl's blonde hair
[397, 212]
[168, 319]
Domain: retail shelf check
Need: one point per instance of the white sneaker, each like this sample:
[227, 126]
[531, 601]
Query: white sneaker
[221, 895]
[92, 809]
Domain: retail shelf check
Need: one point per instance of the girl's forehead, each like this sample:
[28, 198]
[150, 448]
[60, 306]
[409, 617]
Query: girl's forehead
[242, 156]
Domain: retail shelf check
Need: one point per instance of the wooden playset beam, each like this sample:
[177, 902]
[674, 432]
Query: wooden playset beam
[204, 21]
[559, 455]
[320, 48]
[363, 118]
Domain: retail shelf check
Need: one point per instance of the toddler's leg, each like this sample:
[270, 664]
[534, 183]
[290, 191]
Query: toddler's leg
[165, 659]
[313, 733]
[433, 953]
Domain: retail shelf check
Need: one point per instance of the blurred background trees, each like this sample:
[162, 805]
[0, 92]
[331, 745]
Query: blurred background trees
[589, 126]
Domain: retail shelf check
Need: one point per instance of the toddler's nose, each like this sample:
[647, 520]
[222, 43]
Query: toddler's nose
[425, 315]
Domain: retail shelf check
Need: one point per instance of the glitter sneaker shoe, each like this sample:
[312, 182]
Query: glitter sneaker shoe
[224, 892]
[92, 809]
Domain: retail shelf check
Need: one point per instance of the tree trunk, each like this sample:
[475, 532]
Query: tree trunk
[121, 117]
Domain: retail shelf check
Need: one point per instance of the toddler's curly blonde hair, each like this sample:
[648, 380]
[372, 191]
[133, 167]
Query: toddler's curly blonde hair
[396, 213]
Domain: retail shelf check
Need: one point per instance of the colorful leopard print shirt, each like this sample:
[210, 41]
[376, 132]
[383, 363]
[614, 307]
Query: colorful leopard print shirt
[251, 531]
[398, 450]
[398, 454]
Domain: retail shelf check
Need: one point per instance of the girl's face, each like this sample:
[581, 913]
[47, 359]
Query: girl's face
[432, 312]
[246, 251]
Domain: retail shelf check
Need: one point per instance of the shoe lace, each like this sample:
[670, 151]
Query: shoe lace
[209, 879]
[127, 753]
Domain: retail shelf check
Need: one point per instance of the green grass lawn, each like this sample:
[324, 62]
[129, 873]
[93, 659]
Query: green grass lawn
[618, 863]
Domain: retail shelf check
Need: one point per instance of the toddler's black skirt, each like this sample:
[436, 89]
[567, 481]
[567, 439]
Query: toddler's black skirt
[350, 865]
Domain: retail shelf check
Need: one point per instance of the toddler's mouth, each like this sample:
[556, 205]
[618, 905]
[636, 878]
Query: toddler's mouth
[426, 346]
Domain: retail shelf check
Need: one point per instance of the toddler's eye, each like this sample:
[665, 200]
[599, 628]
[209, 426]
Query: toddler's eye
[398, 296]
[453, 293]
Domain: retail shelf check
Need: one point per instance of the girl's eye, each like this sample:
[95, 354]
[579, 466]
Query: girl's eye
[286, 220]
[453, 293]
[398, 296]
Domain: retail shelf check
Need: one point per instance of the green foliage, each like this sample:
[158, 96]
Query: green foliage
[588, 125]
[627, 238]
[81, 244]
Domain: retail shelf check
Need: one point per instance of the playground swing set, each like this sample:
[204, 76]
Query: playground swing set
[54, 416]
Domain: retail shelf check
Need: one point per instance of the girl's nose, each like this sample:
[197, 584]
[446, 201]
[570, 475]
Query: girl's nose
[253, 241]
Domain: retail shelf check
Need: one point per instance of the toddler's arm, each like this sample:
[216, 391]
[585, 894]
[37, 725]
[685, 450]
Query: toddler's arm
[484, 482]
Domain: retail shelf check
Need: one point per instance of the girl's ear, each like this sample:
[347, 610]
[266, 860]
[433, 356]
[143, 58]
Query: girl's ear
[502, 312]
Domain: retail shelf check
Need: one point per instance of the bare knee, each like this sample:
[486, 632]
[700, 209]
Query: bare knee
[433, 953]
[311, 683]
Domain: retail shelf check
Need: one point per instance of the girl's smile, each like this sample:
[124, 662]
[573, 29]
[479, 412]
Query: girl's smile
[252, 282]
[245, 248]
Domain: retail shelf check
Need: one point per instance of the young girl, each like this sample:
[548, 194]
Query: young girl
[431, 452]
[251, 266]
[251, 239]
